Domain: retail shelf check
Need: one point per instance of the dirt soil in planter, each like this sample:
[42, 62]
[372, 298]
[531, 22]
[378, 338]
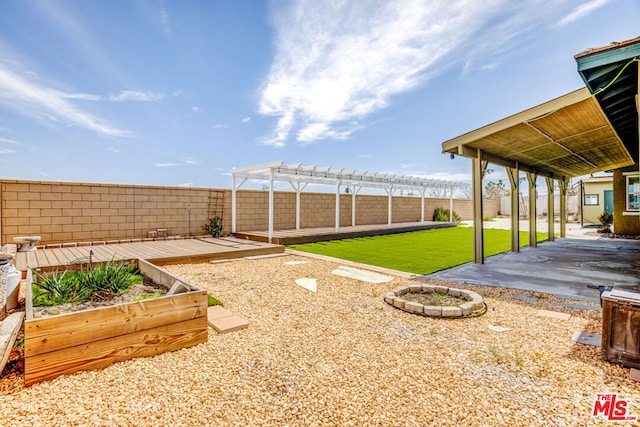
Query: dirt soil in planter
[434, 299]
[145, 290]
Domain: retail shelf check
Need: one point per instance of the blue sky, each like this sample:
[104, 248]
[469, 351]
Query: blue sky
[179, 92]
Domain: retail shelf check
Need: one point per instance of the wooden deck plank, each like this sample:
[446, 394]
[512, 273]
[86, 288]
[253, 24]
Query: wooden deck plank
[310, 235]
[159, 252]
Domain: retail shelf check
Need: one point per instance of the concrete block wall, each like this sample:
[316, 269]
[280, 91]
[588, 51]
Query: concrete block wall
[62, 212]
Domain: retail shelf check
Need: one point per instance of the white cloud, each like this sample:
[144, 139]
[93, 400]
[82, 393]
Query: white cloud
[582, 11]
[21, 93]
[489, 67]
[365, 156]
[246, 119]
[337, 63]
[9, 141]
[136, 95]
[81, 96]
[186, 162]
[6, 151]
[219, 126]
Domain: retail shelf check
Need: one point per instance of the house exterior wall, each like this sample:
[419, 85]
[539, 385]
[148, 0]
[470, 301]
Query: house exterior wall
[590, 213]
[623, 222]
[62, 212]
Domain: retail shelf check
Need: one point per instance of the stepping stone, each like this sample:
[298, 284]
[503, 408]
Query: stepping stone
[554, 314]
[526, 298]
[363, 275]
[578, 306]
[296, 262]
[307, 283]
[496, 328]
[222, 320]
[587, 339]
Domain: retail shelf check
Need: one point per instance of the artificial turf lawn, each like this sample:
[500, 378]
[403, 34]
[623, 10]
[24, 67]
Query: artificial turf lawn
[418, 252]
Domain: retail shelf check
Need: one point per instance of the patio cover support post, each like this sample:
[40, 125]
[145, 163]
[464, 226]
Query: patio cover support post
[271, 206]
[422, 191]
[533, 236]
[338, 205]
[550, 207]
[476, 185]
[562, 186]
[234, 188]
[514, 180]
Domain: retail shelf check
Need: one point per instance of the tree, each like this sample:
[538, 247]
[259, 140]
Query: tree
[495, 189]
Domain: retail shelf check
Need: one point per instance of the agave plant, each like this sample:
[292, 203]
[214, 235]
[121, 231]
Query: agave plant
[57, 288]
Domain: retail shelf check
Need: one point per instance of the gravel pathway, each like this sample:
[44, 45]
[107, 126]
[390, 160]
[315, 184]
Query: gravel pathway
[342, 357]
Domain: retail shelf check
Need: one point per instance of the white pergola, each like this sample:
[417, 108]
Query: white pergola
[299, 177]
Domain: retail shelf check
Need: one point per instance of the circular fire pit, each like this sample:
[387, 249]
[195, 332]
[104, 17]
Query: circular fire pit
[440, 301]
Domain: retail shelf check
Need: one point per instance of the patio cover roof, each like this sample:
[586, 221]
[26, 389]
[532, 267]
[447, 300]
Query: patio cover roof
[566, 137]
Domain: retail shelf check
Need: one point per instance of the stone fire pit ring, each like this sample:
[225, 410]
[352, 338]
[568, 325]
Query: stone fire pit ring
[474, 305]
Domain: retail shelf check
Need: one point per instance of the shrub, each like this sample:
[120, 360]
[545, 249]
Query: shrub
[606, 219]
[214, 226]
[442, 215]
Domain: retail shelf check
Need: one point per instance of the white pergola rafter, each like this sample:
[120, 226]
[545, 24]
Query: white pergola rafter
[299, 176]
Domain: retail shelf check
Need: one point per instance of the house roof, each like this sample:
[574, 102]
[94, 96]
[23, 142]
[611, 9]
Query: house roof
[611, 73]
[585, 131]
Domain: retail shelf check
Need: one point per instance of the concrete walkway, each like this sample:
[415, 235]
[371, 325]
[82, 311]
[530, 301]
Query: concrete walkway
[563, 267]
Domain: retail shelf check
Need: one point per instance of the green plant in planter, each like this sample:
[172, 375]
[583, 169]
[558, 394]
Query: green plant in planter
[213, 226]
[606, 219]
[57, 288]
[97, 282]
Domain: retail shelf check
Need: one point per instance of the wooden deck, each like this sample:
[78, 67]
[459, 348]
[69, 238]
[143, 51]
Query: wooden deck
[158, 252]
[310, 235]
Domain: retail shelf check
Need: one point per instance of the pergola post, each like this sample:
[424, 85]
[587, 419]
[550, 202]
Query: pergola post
[354, 191]
[422, 191]
[338, 205]
[550, 208]
[533, 235]
[514, 180]
[390, 205]
[297, 187]
[298, 207]
[233, 203]
[478, 231]
[562, 186]
[270, 206]
[451, 204]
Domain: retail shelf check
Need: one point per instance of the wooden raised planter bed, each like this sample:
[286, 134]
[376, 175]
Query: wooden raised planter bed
[96, 338]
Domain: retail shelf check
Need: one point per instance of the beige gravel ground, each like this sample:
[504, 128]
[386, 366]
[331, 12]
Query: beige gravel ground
[341, 357]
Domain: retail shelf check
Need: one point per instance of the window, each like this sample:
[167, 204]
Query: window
[591, 199]
[633, 193]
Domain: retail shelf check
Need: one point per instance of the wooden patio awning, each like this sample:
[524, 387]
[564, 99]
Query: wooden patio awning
[566, 137]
